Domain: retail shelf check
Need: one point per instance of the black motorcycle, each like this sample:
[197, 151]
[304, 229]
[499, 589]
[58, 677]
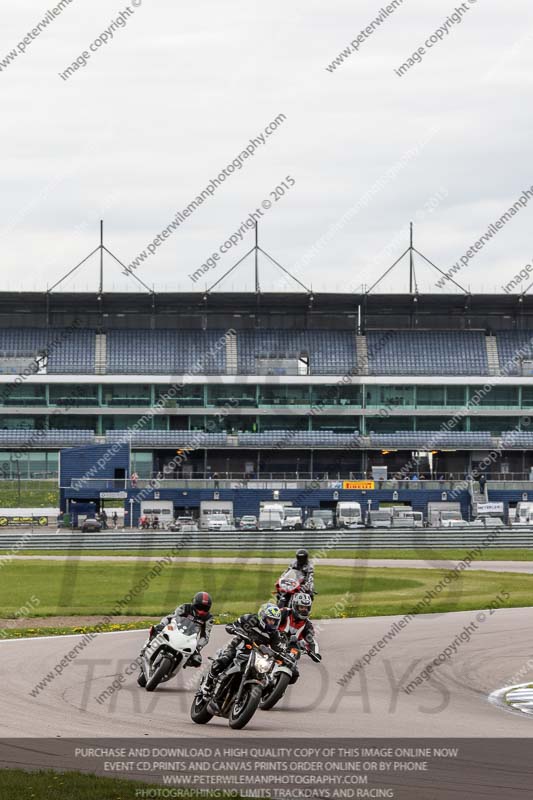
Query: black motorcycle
[281, 676]
[238, 691]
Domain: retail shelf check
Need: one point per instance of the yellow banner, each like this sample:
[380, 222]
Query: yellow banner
[358, 484]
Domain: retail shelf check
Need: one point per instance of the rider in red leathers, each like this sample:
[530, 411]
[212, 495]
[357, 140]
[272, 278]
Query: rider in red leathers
[297, 627]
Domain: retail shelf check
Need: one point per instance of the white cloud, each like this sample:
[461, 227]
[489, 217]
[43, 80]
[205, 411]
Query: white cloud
[180, 90]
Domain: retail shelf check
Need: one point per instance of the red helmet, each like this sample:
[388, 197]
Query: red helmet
[201, 603]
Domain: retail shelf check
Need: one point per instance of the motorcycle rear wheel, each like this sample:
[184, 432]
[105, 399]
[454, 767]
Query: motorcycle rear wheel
[163, 668]
[270, 699]
[240, 715]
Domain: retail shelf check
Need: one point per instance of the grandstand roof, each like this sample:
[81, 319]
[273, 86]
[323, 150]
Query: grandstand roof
[194, 309]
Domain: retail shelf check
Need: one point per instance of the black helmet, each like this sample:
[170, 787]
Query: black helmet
[301, 605]
[201, 603]
[302, 557]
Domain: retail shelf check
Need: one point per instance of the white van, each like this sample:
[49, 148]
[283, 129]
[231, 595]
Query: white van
[348, 514]
[270, 519]
[292, 518]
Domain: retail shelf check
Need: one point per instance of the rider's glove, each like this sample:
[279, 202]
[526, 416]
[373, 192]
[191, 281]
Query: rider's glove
[315, 656]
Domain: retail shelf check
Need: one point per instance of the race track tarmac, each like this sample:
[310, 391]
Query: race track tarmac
[373, 704]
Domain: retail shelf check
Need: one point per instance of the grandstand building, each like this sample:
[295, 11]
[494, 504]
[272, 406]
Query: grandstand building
[269, 385]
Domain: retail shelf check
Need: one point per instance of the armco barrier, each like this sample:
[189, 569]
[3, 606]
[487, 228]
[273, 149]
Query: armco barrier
[325, 541]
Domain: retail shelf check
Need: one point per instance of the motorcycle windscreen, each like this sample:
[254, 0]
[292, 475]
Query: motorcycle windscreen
[187, 626]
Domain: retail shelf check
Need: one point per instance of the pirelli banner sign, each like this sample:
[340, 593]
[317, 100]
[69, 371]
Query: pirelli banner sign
[358, 484]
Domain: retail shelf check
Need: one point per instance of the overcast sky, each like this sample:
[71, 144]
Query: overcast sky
[179, 91]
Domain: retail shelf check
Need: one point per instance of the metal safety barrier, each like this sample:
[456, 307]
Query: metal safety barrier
[318, 543]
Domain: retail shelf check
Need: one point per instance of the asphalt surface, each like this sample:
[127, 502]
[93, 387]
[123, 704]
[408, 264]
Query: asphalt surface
[453, 704]
[398, 563]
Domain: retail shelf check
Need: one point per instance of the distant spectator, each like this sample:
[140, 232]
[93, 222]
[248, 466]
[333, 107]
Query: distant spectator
[115, 520]
[215, 478]
[482, 483]
[415, 477]
[60, 522]
[103, 518]
[134, 479]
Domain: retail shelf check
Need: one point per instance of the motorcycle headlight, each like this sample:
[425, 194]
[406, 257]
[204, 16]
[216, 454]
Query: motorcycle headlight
[263, 663]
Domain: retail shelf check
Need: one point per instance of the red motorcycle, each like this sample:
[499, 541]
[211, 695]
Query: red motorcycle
[289, 584]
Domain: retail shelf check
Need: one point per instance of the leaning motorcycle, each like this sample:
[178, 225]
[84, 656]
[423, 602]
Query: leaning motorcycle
[280, 677]
[237, 693]
[168, 652]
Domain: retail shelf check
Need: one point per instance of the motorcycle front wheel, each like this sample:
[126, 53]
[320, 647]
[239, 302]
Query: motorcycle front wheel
[199, 712]
[141, 679]
[164, 666]
[274, 694]
[242, 712]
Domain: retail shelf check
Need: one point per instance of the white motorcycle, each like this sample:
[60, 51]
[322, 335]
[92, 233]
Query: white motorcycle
[168, 652]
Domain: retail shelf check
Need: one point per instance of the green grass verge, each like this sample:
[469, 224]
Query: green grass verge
[32, 494]
[67, 630]
[94, 589]
[15, 784]
[425, 554]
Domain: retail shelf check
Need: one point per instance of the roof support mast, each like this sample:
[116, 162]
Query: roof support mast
[101, 285]
[411, 264]
[257, 287]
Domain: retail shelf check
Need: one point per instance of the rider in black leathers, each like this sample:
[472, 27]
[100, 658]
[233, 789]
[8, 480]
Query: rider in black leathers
[305, 566]
[261, 628]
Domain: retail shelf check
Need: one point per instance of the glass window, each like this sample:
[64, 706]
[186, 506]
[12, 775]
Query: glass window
[430, 396]
[21, 423]
[436, 423]
[281, 423]
[273, 395]
[337, 395]
[182, 396]
[390, 396]
[455, 396]
[111, 422]
[497, 397]
[126, 395]
[73, 395]
[388, 424]
[234, 396]
[68, 421]
[527, 396]
[141, 463]
[25, 394]
[347, 424]
[496, 425]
